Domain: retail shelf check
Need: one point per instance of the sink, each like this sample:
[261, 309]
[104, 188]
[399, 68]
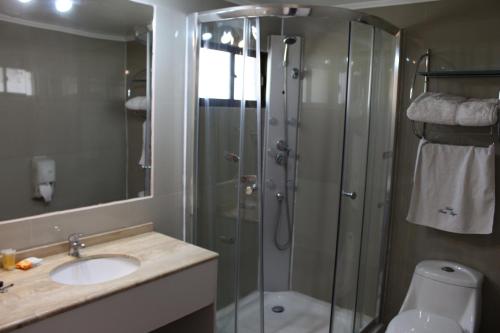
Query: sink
[94, 270]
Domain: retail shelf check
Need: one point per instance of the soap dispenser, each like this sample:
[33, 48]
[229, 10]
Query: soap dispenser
[44, 177]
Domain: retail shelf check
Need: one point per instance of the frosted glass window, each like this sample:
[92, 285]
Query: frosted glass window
[250, 75]
[214, 74]
[19, 81]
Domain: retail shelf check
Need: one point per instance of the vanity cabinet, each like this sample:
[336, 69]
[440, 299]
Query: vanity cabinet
[145, 308]
[174, 286]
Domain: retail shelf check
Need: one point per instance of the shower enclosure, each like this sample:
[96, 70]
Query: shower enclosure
[292, 111]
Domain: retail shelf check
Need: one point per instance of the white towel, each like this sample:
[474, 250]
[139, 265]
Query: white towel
[139, 103]
[437, 108]
[454, 188]
[477, 112]
[142, 161]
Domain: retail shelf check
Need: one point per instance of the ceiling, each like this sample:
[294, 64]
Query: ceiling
[405, 13]
[424, 13]
[350, 4]
[115, 19]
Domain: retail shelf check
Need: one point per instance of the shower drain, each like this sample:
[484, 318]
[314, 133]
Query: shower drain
[278, 309]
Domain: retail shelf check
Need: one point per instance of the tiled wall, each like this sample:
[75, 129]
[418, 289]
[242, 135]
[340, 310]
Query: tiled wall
[62, 96]
[461, 35]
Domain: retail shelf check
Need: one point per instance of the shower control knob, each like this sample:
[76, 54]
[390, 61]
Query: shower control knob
[351, 195]
[281, 158]
[281, 145]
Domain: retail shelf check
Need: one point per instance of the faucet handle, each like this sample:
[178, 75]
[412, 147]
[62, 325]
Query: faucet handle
[75, 237]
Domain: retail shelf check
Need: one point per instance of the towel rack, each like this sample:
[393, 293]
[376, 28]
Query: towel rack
[427, 74]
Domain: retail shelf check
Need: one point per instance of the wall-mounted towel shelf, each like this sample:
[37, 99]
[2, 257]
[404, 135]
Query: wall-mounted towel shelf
[461, 73]
[427, 74]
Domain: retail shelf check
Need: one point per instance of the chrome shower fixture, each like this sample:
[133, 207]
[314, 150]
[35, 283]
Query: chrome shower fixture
[281, 158]
[281, 145]
[287, 41]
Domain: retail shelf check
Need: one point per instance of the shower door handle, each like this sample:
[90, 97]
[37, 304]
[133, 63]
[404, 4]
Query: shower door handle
[227, 240]
[351, 195]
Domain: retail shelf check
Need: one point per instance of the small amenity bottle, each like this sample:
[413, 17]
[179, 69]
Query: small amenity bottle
[8, 259]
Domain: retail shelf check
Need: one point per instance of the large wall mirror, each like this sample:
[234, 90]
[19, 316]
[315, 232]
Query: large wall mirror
[75, 106]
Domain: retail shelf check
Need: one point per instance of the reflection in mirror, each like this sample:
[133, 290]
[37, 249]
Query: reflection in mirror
[75, 106]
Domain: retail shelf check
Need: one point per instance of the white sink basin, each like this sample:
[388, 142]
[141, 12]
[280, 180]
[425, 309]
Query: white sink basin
[94, 270]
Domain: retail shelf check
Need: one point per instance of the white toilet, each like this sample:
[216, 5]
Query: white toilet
[444, 297]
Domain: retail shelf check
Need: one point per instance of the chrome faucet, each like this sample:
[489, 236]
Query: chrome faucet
[75, 244]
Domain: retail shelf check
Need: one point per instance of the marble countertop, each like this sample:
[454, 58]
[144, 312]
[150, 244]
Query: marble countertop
[35, 296]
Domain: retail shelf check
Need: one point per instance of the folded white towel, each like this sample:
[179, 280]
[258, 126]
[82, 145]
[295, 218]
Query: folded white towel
[435, 108]
[438, 108]
[454, 188]
[139, 103]
[477, 112]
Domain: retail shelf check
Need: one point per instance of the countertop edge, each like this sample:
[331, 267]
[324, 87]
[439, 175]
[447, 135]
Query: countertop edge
[20, 324]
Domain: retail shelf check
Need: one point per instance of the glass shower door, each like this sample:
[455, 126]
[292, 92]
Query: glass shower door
[353, 176]
[248, 86]
[227, 217]
[367, 166]
[378, 177]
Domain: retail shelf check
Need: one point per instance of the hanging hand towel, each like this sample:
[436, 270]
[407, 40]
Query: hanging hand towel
[142, 161]
[454, 188]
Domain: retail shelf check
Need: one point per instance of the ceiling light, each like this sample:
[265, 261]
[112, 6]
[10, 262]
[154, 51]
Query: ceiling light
[227, 38]
[206, 36]
[24, 1]
[64, 6]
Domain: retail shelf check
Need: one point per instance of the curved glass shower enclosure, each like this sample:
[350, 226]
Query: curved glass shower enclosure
[294, 115]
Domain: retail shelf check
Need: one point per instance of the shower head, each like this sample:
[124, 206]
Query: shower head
[141, 33]
[289, 40]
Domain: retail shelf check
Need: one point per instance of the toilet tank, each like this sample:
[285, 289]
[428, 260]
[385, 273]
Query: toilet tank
[447, 289]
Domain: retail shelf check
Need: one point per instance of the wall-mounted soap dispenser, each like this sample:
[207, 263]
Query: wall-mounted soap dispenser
[44, 177]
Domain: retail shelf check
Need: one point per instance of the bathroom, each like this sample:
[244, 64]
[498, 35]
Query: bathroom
[143, 126]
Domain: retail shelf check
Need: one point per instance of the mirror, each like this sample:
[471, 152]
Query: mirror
[75, 106]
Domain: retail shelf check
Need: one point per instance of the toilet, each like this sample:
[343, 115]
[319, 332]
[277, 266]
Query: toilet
[444, 297]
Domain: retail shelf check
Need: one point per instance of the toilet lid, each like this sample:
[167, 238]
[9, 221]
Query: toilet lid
[418, 321]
